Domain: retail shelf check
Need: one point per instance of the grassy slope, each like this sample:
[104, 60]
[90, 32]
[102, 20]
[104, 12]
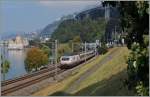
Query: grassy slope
[63, 85]
[107, 80]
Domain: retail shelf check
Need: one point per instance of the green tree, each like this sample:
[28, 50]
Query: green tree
[34, 42]
[76, 44]
[135, 22]
[64, 49]
[5, 65]
[77, 39]
[35, 58]
[46, 50]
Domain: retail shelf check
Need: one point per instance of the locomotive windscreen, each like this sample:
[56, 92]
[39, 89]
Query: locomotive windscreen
[65, 59]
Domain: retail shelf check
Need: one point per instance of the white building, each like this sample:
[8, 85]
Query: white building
[17, 43]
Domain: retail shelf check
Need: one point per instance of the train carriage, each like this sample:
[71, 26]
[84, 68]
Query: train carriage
[73, 60]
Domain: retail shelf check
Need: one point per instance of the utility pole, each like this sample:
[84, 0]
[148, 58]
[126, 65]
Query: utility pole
[95, 48]
[56, 60]
[115, 32]
[115, 36]
[72, 47]
[1, 56]
[85, 50]
[107, 13]
[53, 53]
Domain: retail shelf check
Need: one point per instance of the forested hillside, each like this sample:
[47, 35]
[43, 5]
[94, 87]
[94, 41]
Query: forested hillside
[87, 29]
[89, 25]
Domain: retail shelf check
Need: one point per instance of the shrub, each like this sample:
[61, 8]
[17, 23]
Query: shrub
[141, 89]
[102, 49]
[138, 69]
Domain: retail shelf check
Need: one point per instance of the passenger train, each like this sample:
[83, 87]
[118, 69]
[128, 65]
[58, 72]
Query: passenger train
[73, 60]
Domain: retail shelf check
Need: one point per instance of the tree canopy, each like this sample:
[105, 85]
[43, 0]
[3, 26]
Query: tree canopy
[35, 58]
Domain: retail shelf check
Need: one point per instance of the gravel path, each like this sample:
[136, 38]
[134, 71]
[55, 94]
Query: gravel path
[76, 83]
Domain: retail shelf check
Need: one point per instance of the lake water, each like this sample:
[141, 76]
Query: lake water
[16, 59]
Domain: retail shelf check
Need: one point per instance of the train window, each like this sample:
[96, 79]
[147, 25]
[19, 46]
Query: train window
[65, 59]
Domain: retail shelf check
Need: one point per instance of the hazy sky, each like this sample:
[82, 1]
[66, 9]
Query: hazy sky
[30, 15]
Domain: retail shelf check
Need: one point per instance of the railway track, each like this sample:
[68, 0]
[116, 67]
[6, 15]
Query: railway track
[30, 79]
[7, 82]
[28, 83]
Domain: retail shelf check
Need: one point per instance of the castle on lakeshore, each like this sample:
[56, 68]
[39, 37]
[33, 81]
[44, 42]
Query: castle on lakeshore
[17, 43]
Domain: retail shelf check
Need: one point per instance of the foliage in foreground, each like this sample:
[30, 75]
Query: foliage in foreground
[134, 20]
[138, 69]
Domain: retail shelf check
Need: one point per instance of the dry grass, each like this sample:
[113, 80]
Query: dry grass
[107, 80]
